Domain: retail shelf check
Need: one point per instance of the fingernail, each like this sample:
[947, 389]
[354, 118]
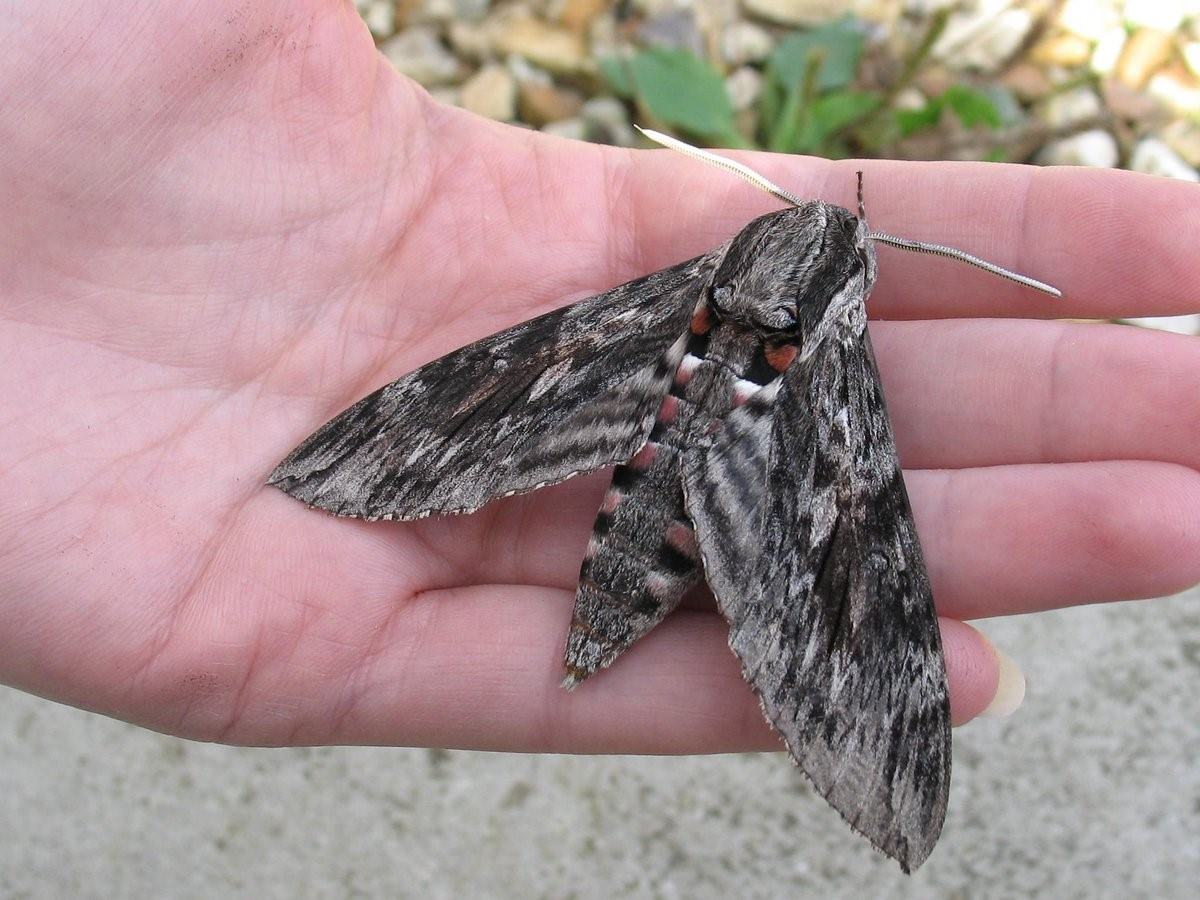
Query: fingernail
[1010, 689]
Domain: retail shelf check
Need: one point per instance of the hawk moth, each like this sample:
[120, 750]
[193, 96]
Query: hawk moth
[737, 396]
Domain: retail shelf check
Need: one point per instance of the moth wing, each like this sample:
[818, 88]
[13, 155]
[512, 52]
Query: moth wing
[571, 391]
[809, 545]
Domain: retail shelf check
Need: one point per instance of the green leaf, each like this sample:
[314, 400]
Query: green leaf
[971, 106]
[831, 113]
[911, 121]
[616, 72]
[683, 91]
[842, 45]
[1008, 107]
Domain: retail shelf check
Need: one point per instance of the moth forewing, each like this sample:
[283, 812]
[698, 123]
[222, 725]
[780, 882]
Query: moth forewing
[486, 421]
[809, 547]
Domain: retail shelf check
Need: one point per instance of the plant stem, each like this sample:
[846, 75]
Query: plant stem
[793, 118]
[912, 66]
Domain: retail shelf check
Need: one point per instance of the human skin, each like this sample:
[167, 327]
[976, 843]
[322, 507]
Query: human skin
[222, 223]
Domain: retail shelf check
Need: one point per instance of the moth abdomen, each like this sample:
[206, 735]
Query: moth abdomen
[643, 556]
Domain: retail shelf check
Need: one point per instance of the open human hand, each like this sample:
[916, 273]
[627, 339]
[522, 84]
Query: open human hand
[222, 223]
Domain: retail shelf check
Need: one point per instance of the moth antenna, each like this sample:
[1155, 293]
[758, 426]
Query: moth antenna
[961, 256]
[764, 183]
[759, 181]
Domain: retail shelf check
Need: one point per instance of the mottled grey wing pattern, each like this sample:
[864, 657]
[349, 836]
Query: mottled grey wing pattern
[809, 545]
[572, 391]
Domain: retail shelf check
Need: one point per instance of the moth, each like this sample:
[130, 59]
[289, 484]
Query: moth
[737, 396]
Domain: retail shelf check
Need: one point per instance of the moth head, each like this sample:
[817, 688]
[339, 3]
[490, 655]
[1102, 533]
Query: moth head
[780, 273]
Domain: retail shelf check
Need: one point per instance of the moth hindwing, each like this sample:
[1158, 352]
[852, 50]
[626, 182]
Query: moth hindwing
[738, 398]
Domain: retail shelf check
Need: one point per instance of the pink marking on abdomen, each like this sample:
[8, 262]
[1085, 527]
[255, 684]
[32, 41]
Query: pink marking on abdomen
[743, 390]
[644, 458]
[683, 373]
[668, 410]
[660, 585]
[612, 499]
[682, 538]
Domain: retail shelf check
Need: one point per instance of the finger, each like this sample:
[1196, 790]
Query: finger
[1016, 539]
[988, 392]
[481, 667]
[1111, 241]
[537, 538]
[997, 540]
[1116, 243]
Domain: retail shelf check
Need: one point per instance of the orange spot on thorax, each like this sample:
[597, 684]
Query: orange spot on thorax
[779, 358]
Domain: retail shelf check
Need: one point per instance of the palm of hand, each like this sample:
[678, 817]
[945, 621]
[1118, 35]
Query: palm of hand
[224, 242]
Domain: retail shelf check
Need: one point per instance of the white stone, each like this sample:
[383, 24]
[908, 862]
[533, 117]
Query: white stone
[604, 38]
[744, 88]
[546, 45]
[1177, 324]
[447, 10]
[1180, 96]
[807, 13]
[1070, 108]
[605, 111]
[983, 38]
[745, 42]
[447, 95]
[1090, 19]
[1165, 15]
[651, 8]
[910, 98]
[798, 12]
[607, 122]
[677, 30]
[1191, 56]
[473, 10]
[431, 11]
[491, 92]
[1183, 137]
[575, 129]
[470, 40]
[525, 71]
[380, 17]
[418, 53]
[1107, 51]
[1154, 157]
[1095, 148]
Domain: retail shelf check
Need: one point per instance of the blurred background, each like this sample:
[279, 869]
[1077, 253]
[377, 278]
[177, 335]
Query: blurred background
[1054, 82]
[1091, 790]
[1091, 82]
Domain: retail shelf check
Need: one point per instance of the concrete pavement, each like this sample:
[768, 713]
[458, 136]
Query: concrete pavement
[1091, 790]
